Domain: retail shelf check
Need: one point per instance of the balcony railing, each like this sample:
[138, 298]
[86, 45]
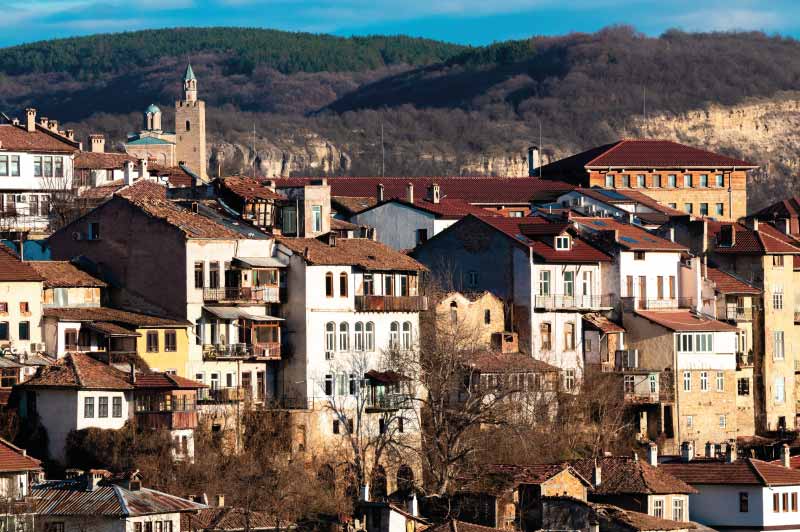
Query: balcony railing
[630, 303]
[242, 294]
[224, 395]
[388, 402]
[391, 303]
[167, 420]
[642, 397]
[271, 351]
[744, 360]
[558, 301]
[737, 314]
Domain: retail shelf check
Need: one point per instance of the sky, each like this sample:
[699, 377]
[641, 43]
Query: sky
[473, 22]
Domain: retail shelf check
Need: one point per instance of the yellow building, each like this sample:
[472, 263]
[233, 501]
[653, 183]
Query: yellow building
[20, 304]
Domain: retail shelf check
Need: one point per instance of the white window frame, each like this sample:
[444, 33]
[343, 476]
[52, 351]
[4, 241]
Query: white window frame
[562, 243]
[778, 348]
[703, 381]
[316, 218]
[687, 381]
[677, 508]
[658, 507]
[544, 282]
[720, 381]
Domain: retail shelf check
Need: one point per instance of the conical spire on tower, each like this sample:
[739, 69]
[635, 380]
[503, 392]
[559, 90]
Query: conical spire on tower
[189, 73]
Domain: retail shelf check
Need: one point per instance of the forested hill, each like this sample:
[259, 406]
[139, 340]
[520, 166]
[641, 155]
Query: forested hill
[320, 103]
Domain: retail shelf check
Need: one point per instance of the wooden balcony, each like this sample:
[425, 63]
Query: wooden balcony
[268, 351]
[225, 395]
[167, 420]
[391, 303]
[242, 294]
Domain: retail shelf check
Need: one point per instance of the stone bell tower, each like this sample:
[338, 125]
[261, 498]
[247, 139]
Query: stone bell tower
[190, 127]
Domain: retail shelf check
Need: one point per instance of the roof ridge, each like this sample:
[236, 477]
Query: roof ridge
[77, 373]
[756, 471]
[121, 499]
[606, 152]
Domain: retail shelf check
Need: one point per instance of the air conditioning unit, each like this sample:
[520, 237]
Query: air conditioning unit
[77, 235]
[38, 348]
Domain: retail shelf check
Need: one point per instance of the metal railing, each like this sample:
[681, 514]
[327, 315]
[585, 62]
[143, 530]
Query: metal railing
[224, 395]
[561, 301]
[391, 303]
[635, 303]
[234, 351]
[258, 294]
[739, 314]
[388, 402]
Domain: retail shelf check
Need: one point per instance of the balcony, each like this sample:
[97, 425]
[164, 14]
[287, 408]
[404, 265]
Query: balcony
[242, 294]
[641, 398]
[167, 420]
[630, 304]
[740, 314]
[387, 402]
[391, 303]
[235, 394]
[268, 351]
[745, 360]
[564, 302]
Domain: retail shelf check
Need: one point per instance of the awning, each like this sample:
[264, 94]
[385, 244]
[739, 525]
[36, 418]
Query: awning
[235, 313]
[385, 377]
[259, 262]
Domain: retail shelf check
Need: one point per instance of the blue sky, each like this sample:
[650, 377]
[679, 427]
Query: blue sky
[464, 21]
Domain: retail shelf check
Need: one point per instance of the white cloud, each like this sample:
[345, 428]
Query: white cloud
[731, 19]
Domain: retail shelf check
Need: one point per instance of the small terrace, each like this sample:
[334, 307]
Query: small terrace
[372, 303]
[572, 302]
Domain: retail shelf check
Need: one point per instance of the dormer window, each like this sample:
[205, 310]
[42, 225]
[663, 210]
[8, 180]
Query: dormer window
[562, 242]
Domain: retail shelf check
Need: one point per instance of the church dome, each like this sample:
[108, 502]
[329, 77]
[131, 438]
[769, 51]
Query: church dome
[152, 109]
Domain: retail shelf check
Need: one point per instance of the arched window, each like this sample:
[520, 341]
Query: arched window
[394, 334]
[329, 284]
[406, 338]
[369, 337]
[454, 312]
[343, 284]
[405, 479]
[358, 337]
[330, 337]
[344, 336]
[379, 483]
[188, 125]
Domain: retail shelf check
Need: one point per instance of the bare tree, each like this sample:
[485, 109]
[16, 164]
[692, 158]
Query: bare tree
[62, 203]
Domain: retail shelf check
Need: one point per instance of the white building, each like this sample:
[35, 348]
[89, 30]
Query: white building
[626, 205]
[36, 161]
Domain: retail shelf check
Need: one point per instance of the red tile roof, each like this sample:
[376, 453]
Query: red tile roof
[650, 153]
[176, 175]
[639, 521]
[348, 206]
[684, 320]
[363, 253]
[249, 188]
[767, 240]
[113, 315]
[14, 270]
[626, 475]
[12, 458]
[64, 274]
[87, 160]
[18, 138]
[79, 370]
[580, 252]
[101, 192]
[601, 323]
[727, 283]
[474, 190]
[742, 472]
[785, 208]
[628, 196]
[226, 518]
[630, 237]
[446, 209]
[499, 478]
[165, 380]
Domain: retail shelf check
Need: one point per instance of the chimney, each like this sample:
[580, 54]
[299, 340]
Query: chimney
[93, 478]
[363, 494]
[730, 456]
[786, 457]
[672, 234]
[652, 455]
[434, 193]
[30, 119]
[127, 173]
[52, 125]
[143, 173]
[597, 474]
[97, 143]
[410, 192]
[413, 505]
[631, 217]
[727, 236]
[687, 451]
[220, 500]
[15, 121]
[787, 226]
[755, 223]
[133, 373]
[710, 450]
[379, 194]
[43, 121]
[533, 161]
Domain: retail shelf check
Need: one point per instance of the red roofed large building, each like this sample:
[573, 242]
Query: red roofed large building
[682, 177]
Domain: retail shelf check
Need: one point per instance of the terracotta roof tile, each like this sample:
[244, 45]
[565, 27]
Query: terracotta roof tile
[176, 175]
[112, 315]
[767, 240]
[14, 270]
[626, 475]
[64, 274]
[727, 283]
[651, 153]
[226, 518]
[640, 521]
[630, 237]
[79, 370]
[87, 160]
[785, 208]
[342, 225]
[363, 253]
[616, 196]
[101, 192]
[685, 320]
[601, 323]
[12, 458]
[454, 525]
[18, 138]
[742, 472]
[348, 206]
[446, 209]
[166, 380]
[249, 188]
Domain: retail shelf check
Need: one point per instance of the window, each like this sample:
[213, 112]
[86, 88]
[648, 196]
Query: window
[609, 180]
[487, 316]
[381, 426]
[794, 501]
[629, 285]
[358, 336]
[657, 181]
[213, 274]
[472, 279]
[703, 381]
[687, 381]
[720, 209]
[687, 207]
[704, 180]
[188, 126]
[562, 242]
[316, 218]
[37, 166]
[545, 330]
[677, 509]
[59, 166]
[24, 307]
[638, 255]
[102, 407]
[116, 407]
[743, 386]
[70, 339]
[653, 384]
[344, 336]
[369, 336]
[329, 385]
[394, 334]
[720, 381]
[329, 284]
[785, 502]
[289, 220]
[15, 165]
[198, 332]
[170, 341]
[672, 180]
[369, 286]
[24, 330]
[780, 390]
[152, 341]
[695, 342]
[777, 296]
[569, 284]
[3, 307]
[406, 337]
[94, 231]
[343, 284]
[689, 421]
[660, 286]
[199, 274]
[776, 502]
[626, 181]
[704, 209]
[672, 287]
[388, 284]
[335, 425]
[88, 407]
[658, 508]
[777, 348]
[353, 384]
[569, 336]
[516, 214]
[422, 236]
[723, 421]
[744, 502]
[672, 205]
[59, 527]
[569, 379]
[3, 165]
[687, 180]
[641, 181]
[629, 384]
[719, 181]
[544, 283]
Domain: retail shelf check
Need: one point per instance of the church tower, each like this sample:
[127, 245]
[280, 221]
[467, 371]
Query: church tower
[190, 127]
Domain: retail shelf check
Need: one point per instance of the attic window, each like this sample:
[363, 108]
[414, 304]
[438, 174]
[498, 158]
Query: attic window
[562, 242]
